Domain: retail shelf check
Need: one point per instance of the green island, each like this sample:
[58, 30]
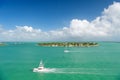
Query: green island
[69, 44]
[2, 44]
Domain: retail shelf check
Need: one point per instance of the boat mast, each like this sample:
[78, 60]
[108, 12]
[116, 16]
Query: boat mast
[41, 64]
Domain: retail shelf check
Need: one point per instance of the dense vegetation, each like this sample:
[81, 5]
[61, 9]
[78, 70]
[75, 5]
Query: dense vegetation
[69, 44]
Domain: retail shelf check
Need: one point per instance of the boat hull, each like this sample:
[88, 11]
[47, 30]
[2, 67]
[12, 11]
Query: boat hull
[43, 70]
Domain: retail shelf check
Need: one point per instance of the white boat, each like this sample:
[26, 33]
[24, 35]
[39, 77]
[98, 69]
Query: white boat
[40, 68]
[66, 51]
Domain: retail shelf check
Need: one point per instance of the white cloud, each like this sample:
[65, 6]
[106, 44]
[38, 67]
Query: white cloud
[104, 27]
[22, 33]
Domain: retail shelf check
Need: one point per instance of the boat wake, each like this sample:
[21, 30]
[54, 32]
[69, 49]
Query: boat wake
[85, 71]
[90, 71]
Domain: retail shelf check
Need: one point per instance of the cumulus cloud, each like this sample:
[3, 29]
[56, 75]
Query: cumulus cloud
[104, 27]
[22, 33]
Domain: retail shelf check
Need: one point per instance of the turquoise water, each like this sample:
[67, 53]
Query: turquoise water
[81, 63]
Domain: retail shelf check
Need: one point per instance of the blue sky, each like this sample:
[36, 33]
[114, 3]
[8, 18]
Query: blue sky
[48, 14]
[51, 16]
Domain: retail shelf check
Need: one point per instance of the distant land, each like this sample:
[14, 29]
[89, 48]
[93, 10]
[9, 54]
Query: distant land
[2, 44]
[69, 44]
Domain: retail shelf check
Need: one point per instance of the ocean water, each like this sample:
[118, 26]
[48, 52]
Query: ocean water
[80, 63]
